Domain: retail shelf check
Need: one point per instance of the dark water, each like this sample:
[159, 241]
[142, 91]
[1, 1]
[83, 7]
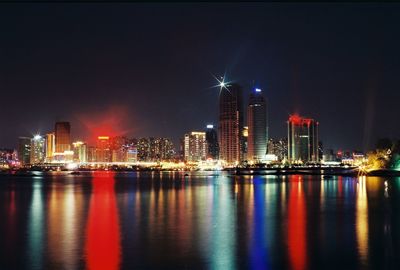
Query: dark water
[168, 221]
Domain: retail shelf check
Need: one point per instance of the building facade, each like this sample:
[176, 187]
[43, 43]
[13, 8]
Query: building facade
[24, 150]
[50, 146]
[38, 150]
[195, 146]
[257, 126]
[212, 142]
[302, 140]
[231, 124]
[62, 132]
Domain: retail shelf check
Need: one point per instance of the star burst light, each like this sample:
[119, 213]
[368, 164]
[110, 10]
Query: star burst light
[222, 83]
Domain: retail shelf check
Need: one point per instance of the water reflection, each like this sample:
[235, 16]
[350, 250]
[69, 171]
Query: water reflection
[297, 225]
[36, 231]
[102, 245]
[166, 220]
[362, 219]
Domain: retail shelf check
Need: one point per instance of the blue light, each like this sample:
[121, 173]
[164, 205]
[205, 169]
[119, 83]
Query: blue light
[258, 90]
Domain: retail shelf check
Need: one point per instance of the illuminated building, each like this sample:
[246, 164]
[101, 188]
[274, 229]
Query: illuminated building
[257, 123]
[131, 154]
[118, 149]
[8, 158]
[91, 154]
[302, 140]
[245, 134]
[103, 149]
[50, 146]
[195, 146]
[38, 150]
[62, 133]
[278, 147]
[24, 150]
[230, 123]
[212, 142]
[80, 150]
[143, 148]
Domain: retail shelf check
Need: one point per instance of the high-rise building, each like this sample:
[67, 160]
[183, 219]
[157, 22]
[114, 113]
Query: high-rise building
[230, 123]
[131, 154]
[50, 146]
[103, 149]
[212, 142]
[38, 149]
[24, 150]
[80, 151]
[302, 140]
[278, 147]
[195, 146]
[119, 147]
[62, 133]
[257, 123]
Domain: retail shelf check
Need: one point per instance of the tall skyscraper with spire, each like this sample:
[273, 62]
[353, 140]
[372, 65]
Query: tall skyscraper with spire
[230, 123]
[257, 126]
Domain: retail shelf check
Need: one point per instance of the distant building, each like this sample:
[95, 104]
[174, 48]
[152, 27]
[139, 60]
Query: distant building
[302, 140]
[131, 154]
[38, 150]
[8, 158]
[50, 146]
[212, 142]
[103, 149]
[231, 123]
[24, 150]
[278, 147]
[62, 134]
[80, 151]
[195, 146]
[257, 123]
[118, 146]
[143, 148]
[245, 136]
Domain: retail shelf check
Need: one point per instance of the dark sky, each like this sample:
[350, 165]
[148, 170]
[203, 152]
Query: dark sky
[145, 69]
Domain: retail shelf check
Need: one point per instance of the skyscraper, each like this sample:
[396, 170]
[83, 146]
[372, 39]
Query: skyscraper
[38, 150]
[195, 146]
[230, 123]
[103, 149]
[62, 136]
[50, 146]
[24, 150]
[80, 151]
[257, 123]
[302, 139]
[212, 142]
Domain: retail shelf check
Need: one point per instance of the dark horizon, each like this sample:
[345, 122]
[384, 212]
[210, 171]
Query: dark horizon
[147, 69]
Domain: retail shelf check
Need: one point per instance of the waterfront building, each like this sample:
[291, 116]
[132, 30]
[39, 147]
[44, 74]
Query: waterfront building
[24, 150]
[80, 150]
[212, 142]
[245, 136]
[38, 150]
[143, 148]
[118, 146]
[103, 149]
[302, 140]
[278, 147]
[257, 126]
[50, 146]
[195, 146]
[8, 158]
[230, 123]
[62, 133]
[132, 154]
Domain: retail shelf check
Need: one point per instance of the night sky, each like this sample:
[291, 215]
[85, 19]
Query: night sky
[147, 69]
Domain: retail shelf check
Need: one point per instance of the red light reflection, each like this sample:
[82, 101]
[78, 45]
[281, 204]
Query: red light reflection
[102, 232]
[296, 226]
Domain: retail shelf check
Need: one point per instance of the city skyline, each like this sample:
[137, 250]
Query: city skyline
[307, 62]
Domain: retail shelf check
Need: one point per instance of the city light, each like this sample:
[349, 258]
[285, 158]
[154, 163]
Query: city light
[258, 90]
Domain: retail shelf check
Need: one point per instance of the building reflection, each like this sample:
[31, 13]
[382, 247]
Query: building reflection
[35, 227]
[102, 245]
[223, 228]
[297, 225]
[362, 219]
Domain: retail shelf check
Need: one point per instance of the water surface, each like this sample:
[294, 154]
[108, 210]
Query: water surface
[106, 220]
